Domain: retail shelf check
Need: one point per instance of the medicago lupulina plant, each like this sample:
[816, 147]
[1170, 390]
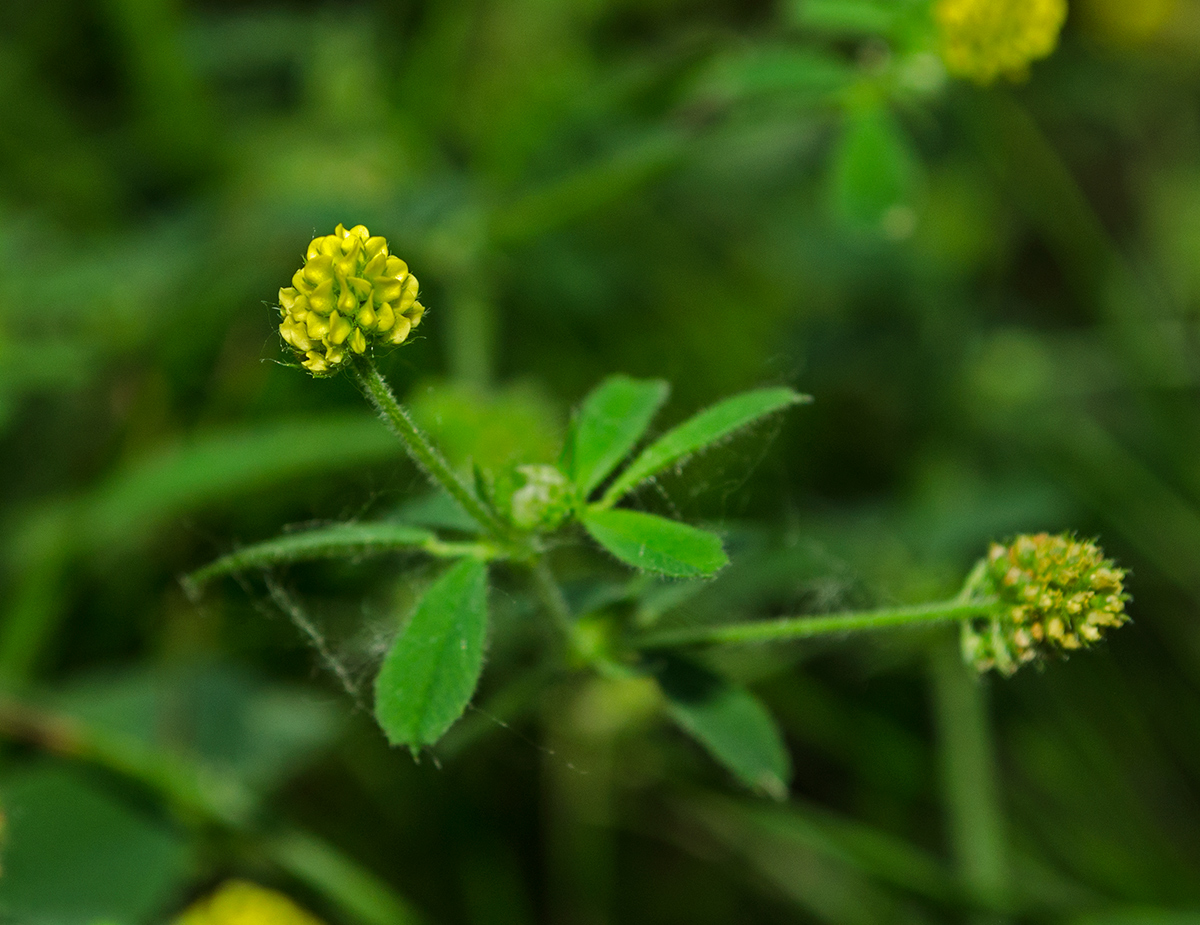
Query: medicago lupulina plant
[1025, 602]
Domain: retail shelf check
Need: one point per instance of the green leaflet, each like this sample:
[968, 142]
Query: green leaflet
[707, 427]
[611, 421]
[429, 675]
[656, 544]
[730, 722]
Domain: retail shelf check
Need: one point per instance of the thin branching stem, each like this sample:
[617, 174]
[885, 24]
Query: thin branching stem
[808, 627]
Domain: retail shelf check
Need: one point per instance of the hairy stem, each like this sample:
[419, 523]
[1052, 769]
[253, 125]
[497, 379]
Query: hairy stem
[807, 627]
[421, 451]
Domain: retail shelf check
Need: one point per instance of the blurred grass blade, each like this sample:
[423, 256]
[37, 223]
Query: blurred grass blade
[820, 882]
[215, 466]
[577, 194]
[800, 827]
[731, 723]
[969, 787]
[341, 540]
[655, 544]
[358, 893]
[431, 672]
[611, 421]
[704, 429]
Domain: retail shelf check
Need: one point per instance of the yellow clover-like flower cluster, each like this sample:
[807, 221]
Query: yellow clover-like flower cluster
[350, 294]
[1053, 594]
[239, 902]
[985, 39]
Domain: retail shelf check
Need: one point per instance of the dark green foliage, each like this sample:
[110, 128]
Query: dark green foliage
[992, 295]
[730, 722]
[78, 854]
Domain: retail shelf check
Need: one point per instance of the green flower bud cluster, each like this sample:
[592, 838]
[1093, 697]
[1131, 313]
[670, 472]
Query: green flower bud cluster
[535, 497]
[350, 294]
[1053, 594]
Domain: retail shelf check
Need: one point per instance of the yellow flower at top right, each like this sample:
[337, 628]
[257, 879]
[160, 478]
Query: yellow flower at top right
[982, 40]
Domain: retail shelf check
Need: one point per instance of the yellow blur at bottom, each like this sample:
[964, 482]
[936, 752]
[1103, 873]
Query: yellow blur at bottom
[241, 903]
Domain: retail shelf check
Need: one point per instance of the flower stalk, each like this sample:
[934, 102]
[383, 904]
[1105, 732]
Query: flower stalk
[420, 450]
[808, 627]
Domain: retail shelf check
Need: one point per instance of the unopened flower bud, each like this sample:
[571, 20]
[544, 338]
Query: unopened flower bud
[543, 498]
[985, 39]
[350, 295]
[1053, 594]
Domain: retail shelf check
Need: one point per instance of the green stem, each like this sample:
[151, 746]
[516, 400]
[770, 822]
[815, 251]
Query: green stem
[422, 452]
[807, 627]
[970, 790]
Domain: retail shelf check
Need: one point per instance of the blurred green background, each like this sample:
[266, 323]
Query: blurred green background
[992, 293]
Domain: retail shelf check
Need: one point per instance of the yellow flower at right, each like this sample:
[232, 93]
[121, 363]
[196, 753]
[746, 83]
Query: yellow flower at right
[982, 40]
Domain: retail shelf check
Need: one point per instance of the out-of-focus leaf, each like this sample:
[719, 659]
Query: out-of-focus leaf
[437, 510]
[874, 172]
[704, 429]
[337, 541]
[847, 17]
[76, 855]
[215, 717]
[429, 675]
[215, 466]
[611, 421]
[730, 722]
[516, 424]
[767, 70]
[656, 544]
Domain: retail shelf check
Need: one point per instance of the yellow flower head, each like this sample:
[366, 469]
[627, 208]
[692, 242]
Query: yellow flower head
[1053, 594]
[985, 39]
[350, 294]
[240, 903]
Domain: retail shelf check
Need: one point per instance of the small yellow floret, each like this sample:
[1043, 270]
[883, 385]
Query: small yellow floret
[985, 39]
[242, 903]
[350, 294]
